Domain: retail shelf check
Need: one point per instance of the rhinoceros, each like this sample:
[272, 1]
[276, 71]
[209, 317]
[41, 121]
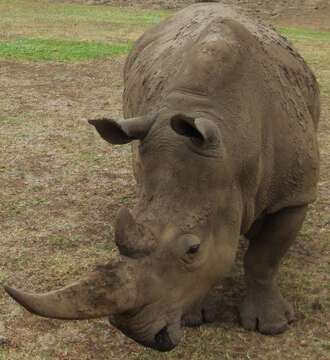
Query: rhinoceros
[222, 114]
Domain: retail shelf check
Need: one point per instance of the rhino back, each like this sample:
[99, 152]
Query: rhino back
[209, 59]
[157, 59]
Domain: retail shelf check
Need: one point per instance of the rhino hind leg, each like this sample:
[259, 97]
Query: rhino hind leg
[264, 309]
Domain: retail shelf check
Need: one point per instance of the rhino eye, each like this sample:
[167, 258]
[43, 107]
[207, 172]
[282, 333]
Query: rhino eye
[189, 245]
[193, 249]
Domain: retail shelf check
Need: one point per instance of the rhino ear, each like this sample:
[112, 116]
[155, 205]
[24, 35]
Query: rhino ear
[125, 130]
[199, 130]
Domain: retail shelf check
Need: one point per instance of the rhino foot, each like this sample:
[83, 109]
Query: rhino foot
[267, 312]
[203, 312]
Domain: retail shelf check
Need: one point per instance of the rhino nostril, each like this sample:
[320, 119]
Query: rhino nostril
[163, 341]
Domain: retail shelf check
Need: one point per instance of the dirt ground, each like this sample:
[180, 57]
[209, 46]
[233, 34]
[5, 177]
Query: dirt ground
[60, 188]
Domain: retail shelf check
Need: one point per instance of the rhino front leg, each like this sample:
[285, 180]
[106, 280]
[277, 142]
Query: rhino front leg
[264, 309]
[202, 312]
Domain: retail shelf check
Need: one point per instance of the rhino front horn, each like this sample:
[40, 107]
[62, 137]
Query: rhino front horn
[102, 293]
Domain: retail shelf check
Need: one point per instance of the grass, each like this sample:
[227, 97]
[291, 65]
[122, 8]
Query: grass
[61, 187]
[297, 34]
[46, 18]
[63, 13]
[44, 30]
[25, 49]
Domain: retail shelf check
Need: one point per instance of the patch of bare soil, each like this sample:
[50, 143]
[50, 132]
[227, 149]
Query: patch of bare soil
[58, 180]
[60, 189]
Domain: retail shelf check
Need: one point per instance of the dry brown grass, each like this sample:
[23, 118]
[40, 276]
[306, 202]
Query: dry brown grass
[60, 187]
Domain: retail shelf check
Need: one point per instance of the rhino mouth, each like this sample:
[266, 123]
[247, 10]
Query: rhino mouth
[158, 335]
[163, 340]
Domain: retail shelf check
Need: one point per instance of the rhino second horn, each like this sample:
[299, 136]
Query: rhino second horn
[92, 297]
[126, 234]
[132, 239]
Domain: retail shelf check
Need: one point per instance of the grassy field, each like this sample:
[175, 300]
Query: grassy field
[61, 186]
[23, 49]
[54, 31]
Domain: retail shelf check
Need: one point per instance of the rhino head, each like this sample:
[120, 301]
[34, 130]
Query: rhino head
[177, 242]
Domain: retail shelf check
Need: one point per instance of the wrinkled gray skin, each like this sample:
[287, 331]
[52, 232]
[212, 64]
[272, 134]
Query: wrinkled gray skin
[225, 114]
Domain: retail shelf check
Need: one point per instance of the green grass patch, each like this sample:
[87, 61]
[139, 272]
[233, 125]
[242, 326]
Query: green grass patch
[10, 120]
[58, 50]
[48, 9]
[295, 34]
[52, 19]
[44, 30]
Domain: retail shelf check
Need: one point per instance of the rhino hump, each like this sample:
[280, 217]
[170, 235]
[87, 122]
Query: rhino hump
[208, 59]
